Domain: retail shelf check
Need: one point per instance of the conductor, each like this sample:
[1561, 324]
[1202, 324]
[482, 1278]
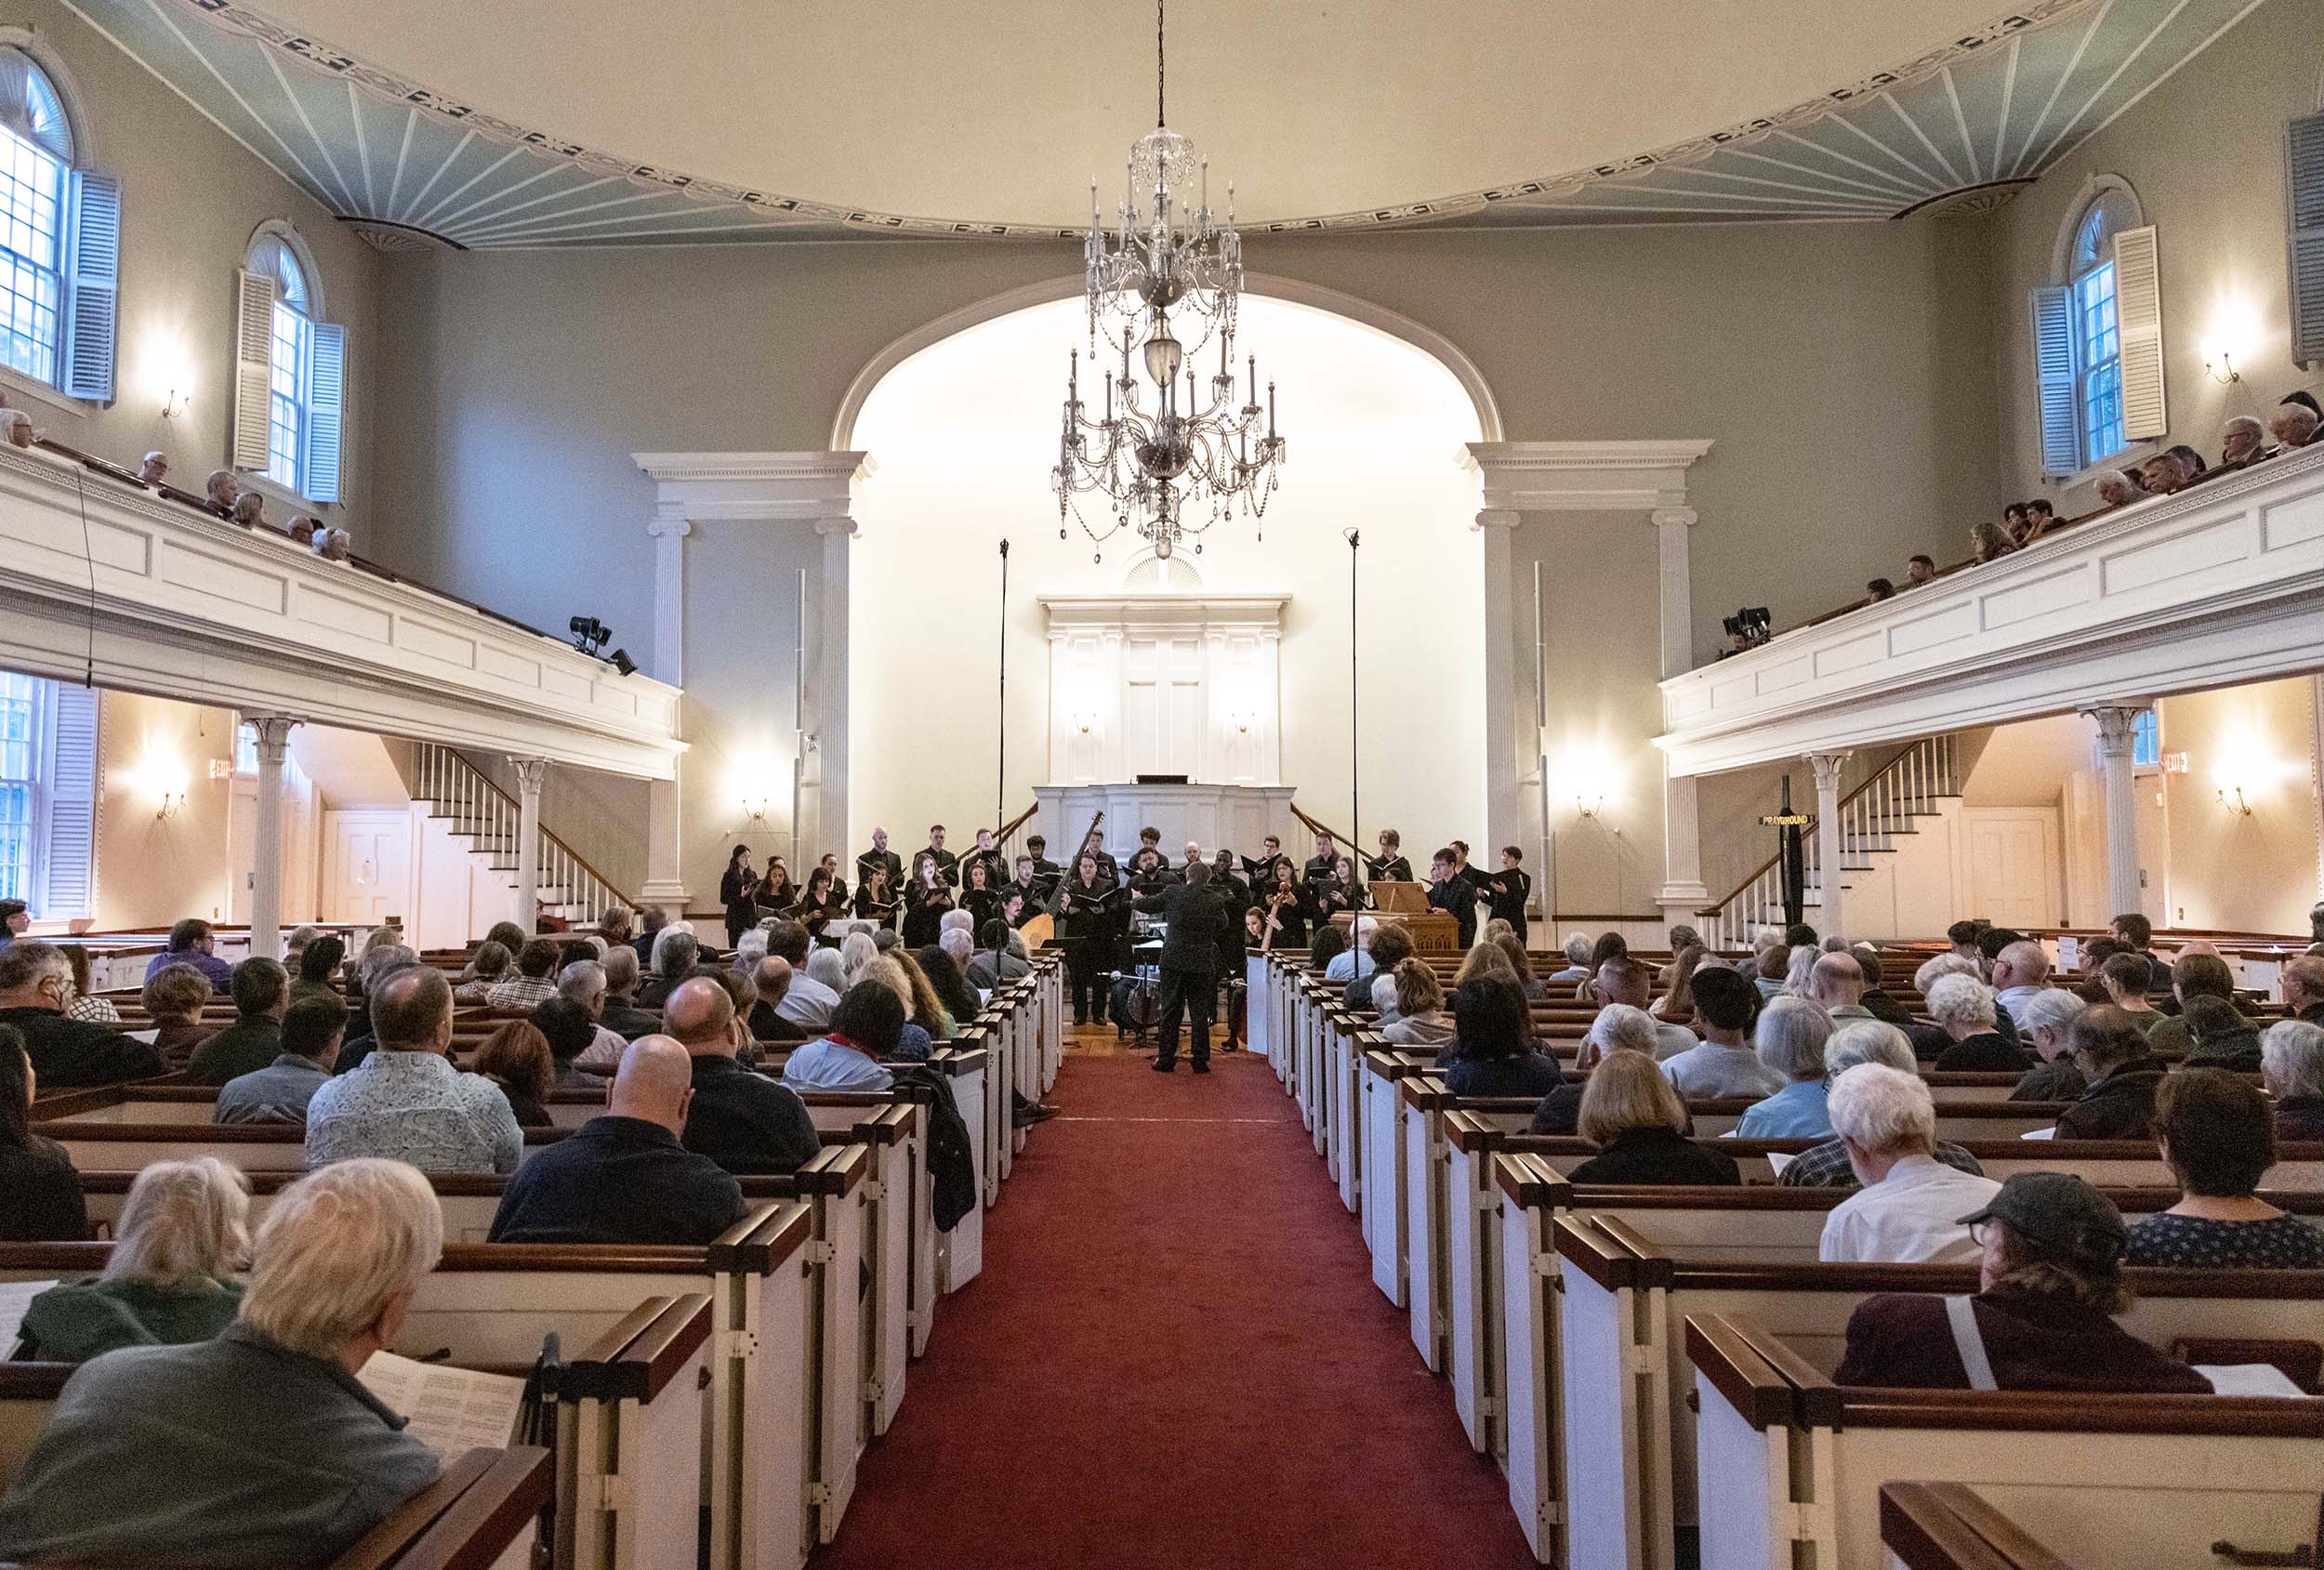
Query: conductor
[1198, 920]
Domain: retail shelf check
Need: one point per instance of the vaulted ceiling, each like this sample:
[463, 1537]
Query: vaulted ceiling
[601, 122]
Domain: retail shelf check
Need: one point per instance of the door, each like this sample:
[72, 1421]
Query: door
[366, 867]
[241, 848]
[2013, 865]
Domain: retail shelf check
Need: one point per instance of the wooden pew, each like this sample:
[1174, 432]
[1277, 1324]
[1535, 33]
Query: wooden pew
[1790, 1464]
[1950, 1526]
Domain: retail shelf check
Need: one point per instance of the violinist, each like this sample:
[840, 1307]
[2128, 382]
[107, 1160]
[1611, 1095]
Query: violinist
[1287, 913]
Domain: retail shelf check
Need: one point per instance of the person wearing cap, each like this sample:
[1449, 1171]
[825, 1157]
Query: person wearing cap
[2050, 1281]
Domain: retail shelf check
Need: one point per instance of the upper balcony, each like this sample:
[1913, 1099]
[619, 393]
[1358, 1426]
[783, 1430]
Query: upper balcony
[2210, 587]
[113, 584]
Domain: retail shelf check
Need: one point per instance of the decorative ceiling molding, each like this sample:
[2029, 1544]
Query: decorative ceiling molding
[1583, 476]
[1957, 128]
[768, 487]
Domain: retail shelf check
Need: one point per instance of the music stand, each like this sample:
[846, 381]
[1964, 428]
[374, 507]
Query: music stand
[1398, 899]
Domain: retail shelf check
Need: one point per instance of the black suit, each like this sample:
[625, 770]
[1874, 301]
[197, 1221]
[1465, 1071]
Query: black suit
[888, 859]
[1190, 962]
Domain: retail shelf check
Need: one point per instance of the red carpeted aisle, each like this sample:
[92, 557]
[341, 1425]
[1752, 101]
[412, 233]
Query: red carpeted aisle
[1175, 1356]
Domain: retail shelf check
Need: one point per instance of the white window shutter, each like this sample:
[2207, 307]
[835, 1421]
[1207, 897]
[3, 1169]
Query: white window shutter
[2054, 370]
[68, 834]
[254, 369]
[326, 380]
[94, 272]
[2138, 307]
[2303, 170]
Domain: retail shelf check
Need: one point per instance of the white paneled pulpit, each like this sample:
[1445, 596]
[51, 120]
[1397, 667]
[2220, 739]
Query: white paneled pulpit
[1165, 679]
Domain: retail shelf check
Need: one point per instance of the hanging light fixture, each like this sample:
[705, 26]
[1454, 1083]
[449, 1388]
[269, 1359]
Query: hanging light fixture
[1177, 470]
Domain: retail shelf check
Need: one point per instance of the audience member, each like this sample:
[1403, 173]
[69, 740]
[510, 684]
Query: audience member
[1919, 570]
[2046, 1024]
[36, 987]
[86, 1005]
[2197, 974]
[1384, 1000]
[570, 1036]
[2293, 424]
[191, 943]
[2303, 981]
[2021, 973]
[1799, 968]
[154, 468]
[1385, 947]
[311, 1032]
[957, 1002]
[258, 1446]
[809, 1002]
[1837, 982]
[516, 1058]
[1877, 1000]
[2218, 1137]
[1420, 1019]
[2119, 487]
[487, 968]
[2163, 475]
[1771, 968]
[405, 1101]
[1639, 1124]
[741, 1119]
[767, 1023]
[1492, 1052]
[1965, 1009]
[994, 966]
[2050, 1274]
[675, 951]
[2243, 440]
[651, 921]
[1988, 540]
[1909, 1206]
[1623, 980]
[915, 1044]
[1790, 1039]
[43, 1192]
[864, 1029]
[2292, 1067]
[1676, 1006]
[535, 981]
[2040, 518]
[174, 997]
[181, 1238]
[315, 972]
[2222, 1038]
[2111, 1052]
[1724, 1063]
[261, 993]
[1879, 589]
[1861, 1041]
[1577, 949]
[622, 1015]
[625, 1177]
[2137, 933]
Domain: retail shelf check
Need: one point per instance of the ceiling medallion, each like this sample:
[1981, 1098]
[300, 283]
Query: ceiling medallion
[1151, 467]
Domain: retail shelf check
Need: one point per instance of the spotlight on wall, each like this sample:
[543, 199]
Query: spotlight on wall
[588, 634]
[622, 663]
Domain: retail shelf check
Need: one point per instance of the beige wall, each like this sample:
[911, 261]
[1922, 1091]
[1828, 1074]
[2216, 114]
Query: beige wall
[154, 871]
[2225, 868]
[190, 197]
[2204, 151]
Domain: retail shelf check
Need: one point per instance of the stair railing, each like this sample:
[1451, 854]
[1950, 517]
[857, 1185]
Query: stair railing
[466, 795]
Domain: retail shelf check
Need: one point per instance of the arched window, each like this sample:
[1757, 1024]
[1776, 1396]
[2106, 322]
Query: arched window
[2098, 336]
[60, 240]
[290, 370]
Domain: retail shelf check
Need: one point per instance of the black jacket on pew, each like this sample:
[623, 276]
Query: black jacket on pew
[746, 1122]
[2120, 1106]
[66, 1051]
[1649, 1155]
[1987, 1051]
[618, 1179]
[40, 1195]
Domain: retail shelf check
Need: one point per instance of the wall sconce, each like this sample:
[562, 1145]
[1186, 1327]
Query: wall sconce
[173, 403]
[173, 802]
[755, 812]
[1588, 805]
[2238, 805]
[2219, 367]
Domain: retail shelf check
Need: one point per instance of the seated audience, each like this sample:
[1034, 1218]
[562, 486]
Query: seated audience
[1877, 1000]
[864, 1029]
[2135, 933]
[487, 968]
[2163, 474]
[1492, 1051]
[312, 1028]
[810, 1001]
[1384, 999]
[2040, 518]
[1790, 1039]
[1420, 997]
[36, 987]
[261, 991]
[622, 1015]
[2046, 1024]
[1676, 1006]
[1908, 1208]
[616, 925]
[1773, 970]
[1919, 570]
[675, 951]
[405, 1101]
[182, 1237]
[1879, 589]
[1964, 1010]
[651, 921]
[2293, 424]
[565, 1025]
[258, 1446]
[2196, 973]
[191, 943]
[994, 965]
[2119, 487]
[1624, 980]
[315, 972]
[2218, 1137]
[1800, 967]
[741, 1119]
[1617, 1028]
[1861, 1041]
[2292, 1067]
[174, 996]
[957, 1002]
[516, 1058]
[1836, 981]
[2304, 988]
[2243, 440]
[2111, 1052]
[2049, 1273]
[40, 1193]
[86, 1005]
[2191, 462]
[1388, 946]
[536, 980]
[1576, 968]
[767, 1023]
[2126, 977]
[1639, 1124]
[2021, 973]
[894, 971]
[1724, 1063]
[1521, 964]
[625, 1177]
[1354, 962]
[1988, 540]
[2222, 1038]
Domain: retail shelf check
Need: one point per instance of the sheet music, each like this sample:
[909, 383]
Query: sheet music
[452, 1410]
[15, 1298]
[2049, 1133]
[2246, 1379]
[1777, 1161]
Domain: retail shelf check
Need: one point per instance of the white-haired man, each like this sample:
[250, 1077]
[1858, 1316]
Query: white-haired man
[2021, 973]
[2293, 424]
[2243, 440]
[1861, 1041]
[1909, 1208]
[260, 1445]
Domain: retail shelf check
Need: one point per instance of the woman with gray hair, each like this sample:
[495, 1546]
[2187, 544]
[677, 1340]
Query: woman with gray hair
[1853, 1045]
[857, 952]
[2045, 1024]
[1578, 950]
[1790, 1039]
[260, 1445]
[183, 1232]
[1964, 1007]
[750, 948]
[2292, 1066]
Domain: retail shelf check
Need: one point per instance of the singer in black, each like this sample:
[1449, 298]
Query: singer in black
[879, 856]
[1196, 917]
[996, 864]
[1508, 890]
[1039, 848]
[1391, 865]
[1262, 872]
[738, 892]
[1087, 904]
[1323, 865]
[1108, 868]
[877, 900]
[1450, 890]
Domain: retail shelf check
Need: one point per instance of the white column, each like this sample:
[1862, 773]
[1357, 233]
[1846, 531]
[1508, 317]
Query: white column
[669, 531]
[1828, 767]
[665, 846]
[827, 695]
[1509, 746]
[2116, 738]
[1682, 895]
[531, 774]
[266, 872]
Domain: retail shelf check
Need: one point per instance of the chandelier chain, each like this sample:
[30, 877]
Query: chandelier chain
[1161, 67]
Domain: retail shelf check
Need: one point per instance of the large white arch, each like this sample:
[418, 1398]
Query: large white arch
[1354, 307]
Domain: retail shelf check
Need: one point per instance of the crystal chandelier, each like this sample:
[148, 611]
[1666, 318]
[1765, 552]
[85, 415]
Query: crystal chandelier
[1177, 470]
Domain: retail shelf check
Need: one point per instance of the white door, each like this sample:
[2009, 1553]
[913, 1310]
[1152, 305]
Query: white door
[2013, 865]
[367, 864]
[241, 848]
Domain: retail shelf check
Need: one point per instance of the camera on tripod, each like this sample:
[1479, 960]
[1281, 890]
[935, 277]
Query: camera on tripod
[1747, 628]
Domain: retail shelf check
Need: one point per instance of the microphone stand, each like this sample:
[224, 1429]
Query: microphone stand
[1000, 767]
[1355, 765]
